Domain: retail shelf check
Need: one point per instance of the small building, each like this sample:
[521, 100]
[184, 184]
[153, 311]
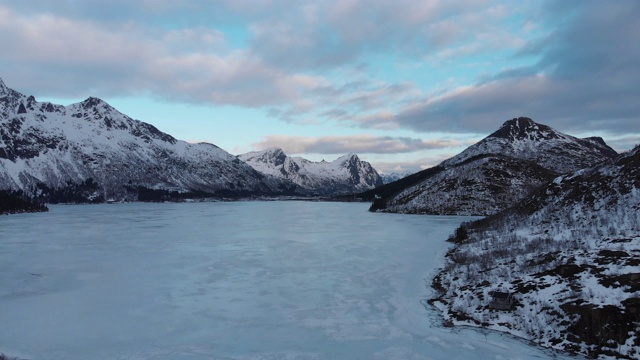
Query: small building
[500, 300]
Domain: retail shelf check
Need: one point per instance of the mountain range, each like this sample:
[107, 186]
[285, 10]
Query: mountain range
[91, 152]
[492, 174]
[561, 234]
[345, 175]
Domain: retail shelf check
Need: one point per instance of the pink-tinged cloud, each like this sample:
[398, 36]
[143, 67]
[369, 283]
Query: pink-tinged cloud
[360, 144]
[311, 62]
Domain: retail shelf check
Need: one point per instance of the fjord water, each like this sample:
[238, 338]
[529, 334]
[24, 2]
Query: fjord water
[237, 280]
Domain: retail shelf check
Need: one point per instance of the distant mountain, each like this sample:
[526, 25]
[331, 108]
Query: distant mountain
[89, 151]
[569, 254]
[345, 175]
[493, 174]
[394, 176]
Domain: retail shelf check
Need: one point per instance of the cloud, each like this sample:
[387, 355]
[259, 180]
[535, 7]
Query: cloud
[299, 59]
[49, 52]
[624, 143]
[313, 62]
[411, 166]
[332, 34]
[587, 78]
[360, 144]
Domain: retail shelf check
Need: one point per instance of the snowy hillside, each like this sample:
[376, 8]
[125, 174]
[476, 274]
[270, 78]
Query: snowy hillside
[484, 186]
[496, 172]
[345, 175]
[570, 255]
[91, 152]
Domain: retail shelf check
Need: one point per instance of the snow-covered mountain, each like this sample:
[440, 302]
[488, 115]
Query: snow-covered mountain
[522, 138]
[394, 176]
[570, 256]
[89, 151]
[345, 175]
[496, 172]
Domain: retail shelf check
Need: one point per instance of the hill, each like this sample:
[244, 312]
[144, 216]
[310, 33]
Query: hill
[568, 254]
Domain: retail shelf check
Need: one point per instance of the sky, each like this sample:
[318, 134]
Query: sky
[404, 84]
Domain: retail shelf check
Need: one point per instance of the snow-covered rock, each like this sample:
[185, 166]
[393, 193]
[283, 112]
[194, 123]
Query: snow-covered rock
[570, 255]
[345, 175]
[89, 151]
[496, 172]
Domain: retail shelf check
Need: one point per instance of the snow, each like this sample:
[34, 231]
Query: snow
[64, 145]
[577, 251]
[498, 171]
[331, 178]
[550, 148]
[242, 280]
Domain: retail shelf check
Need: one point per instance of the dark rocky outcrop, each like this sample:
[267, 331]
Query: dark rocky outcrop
[15, 202]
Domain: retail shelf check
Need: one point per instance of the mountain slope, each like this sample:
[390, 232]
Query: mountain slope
[485, 185]
[495, 173]
[569, 252]
[90, 151]
[345, 175]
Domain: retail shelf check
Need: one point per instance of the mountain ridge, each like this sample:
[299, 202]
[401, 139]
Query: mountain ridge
[345, 175]
[89, 151]
[525, 139]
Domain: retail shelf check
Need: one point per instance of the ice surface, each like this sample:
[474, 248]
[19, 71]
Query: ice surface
[242, 280]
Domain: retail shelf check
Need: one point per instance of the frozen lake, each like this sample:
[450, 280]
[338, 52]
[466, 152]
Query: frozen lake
[240, 280]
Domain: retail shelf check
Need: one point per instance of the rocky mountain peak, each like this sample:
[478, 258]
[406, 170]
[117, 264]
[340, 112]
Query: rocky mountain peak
[496, 172]
[9, 100]
[349, 159]
[273, 156]
[524, 128]
[525, 139]
[3, 88]
[597, 139]
[347, 174]
[93, 102]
